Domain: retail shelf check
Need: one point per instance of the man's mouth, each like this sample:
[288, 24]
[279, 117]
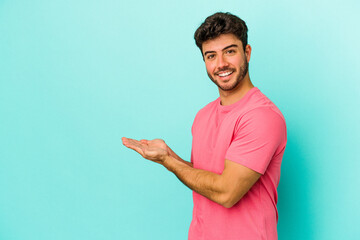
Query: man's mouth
[225, 74]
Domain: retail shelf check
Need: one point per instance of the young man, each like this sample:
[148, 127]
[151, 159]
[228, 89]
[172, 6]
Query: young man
[238, 143]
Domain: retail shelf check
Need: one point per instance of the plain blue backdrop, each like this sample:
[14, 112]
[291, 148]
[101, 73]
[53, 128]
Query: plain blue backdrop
[76, 76]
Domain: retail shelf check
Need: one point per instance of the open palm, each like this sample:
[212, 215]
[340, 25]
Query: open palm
[154, 150]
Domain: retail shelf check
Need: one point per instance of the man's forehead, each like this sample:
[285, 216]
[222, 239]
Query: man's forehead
[221, 42]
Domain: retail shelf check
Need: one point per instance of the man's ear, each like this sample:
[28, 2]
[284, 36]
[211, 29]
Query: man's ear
[248, 52]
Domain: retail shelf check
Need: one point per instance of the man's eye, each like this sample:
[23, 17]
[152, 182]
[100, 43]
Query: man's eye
[211, 56]
[230, 51]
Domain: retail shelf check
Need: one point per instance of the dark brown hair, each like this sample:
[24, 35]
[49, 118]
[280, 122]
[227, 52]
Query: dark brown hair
[221, 23]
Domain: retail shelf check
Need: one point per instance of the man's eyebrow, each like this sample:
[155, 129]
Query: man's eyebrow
[230, 46]
[233, 45]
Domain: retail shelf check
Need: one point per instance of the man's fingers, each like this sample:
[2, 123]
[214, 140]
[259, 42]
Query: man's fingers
[124, 140]
[152, 150]
[128, 141]
[133, 144]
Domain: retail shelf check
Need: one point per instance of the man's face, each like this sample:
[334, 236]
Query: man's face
[225, 61]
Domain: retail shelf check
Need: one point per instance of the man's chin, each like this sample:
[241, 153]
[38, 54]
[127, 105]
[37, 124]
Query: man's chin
[228, 87]
[225, 85]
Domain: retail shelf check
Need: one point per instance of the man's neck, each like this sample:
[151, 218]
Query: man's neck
[230, 97]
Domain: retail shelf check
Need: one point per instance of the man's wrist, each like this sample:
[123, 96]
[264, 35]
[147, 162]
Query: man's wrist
[167, 162]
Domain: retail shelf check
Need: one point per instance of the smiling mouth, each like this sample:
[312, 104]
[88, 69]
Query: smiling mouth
[225, 74]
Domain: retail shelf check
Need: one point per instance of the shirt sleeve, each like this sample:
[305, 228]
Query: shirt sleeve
[257, 137]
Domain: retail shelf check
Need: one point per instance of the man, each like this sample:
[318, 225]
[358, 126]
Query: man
[238, 143]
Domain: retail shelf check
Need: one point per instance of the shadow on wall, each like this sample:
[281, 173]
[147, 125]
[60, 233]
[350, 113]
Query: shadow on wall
[296, 218]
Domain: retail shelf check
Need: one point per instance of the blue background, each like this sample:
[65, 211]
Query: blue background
[76, 76]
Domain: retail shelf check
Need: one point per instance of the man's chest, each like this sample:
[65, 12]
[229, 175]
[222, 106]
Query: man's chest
[211, 139]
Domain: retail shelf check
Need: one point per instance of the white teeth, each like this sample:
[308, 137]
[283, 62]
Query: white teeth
[225, 74]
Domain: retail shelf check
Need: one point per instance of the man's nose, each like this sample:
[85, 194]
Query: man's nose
[221, 62]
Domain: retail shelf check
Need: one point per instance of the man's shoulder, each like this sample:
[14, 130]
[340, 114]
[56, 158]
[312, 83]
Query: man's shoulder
[208, 108]
[206, 112]
[258, 104]
[263, 115]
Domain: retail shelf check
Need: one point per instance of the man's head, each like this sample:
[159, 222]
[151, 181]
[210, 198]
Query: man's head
[222, 39]
[221, 23]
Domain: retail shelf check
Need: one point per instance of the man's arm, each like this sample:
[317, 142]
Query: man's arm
[225, 189]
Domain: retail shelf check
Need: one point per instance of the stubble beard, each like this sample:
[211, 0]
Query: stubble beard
[241, 75]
